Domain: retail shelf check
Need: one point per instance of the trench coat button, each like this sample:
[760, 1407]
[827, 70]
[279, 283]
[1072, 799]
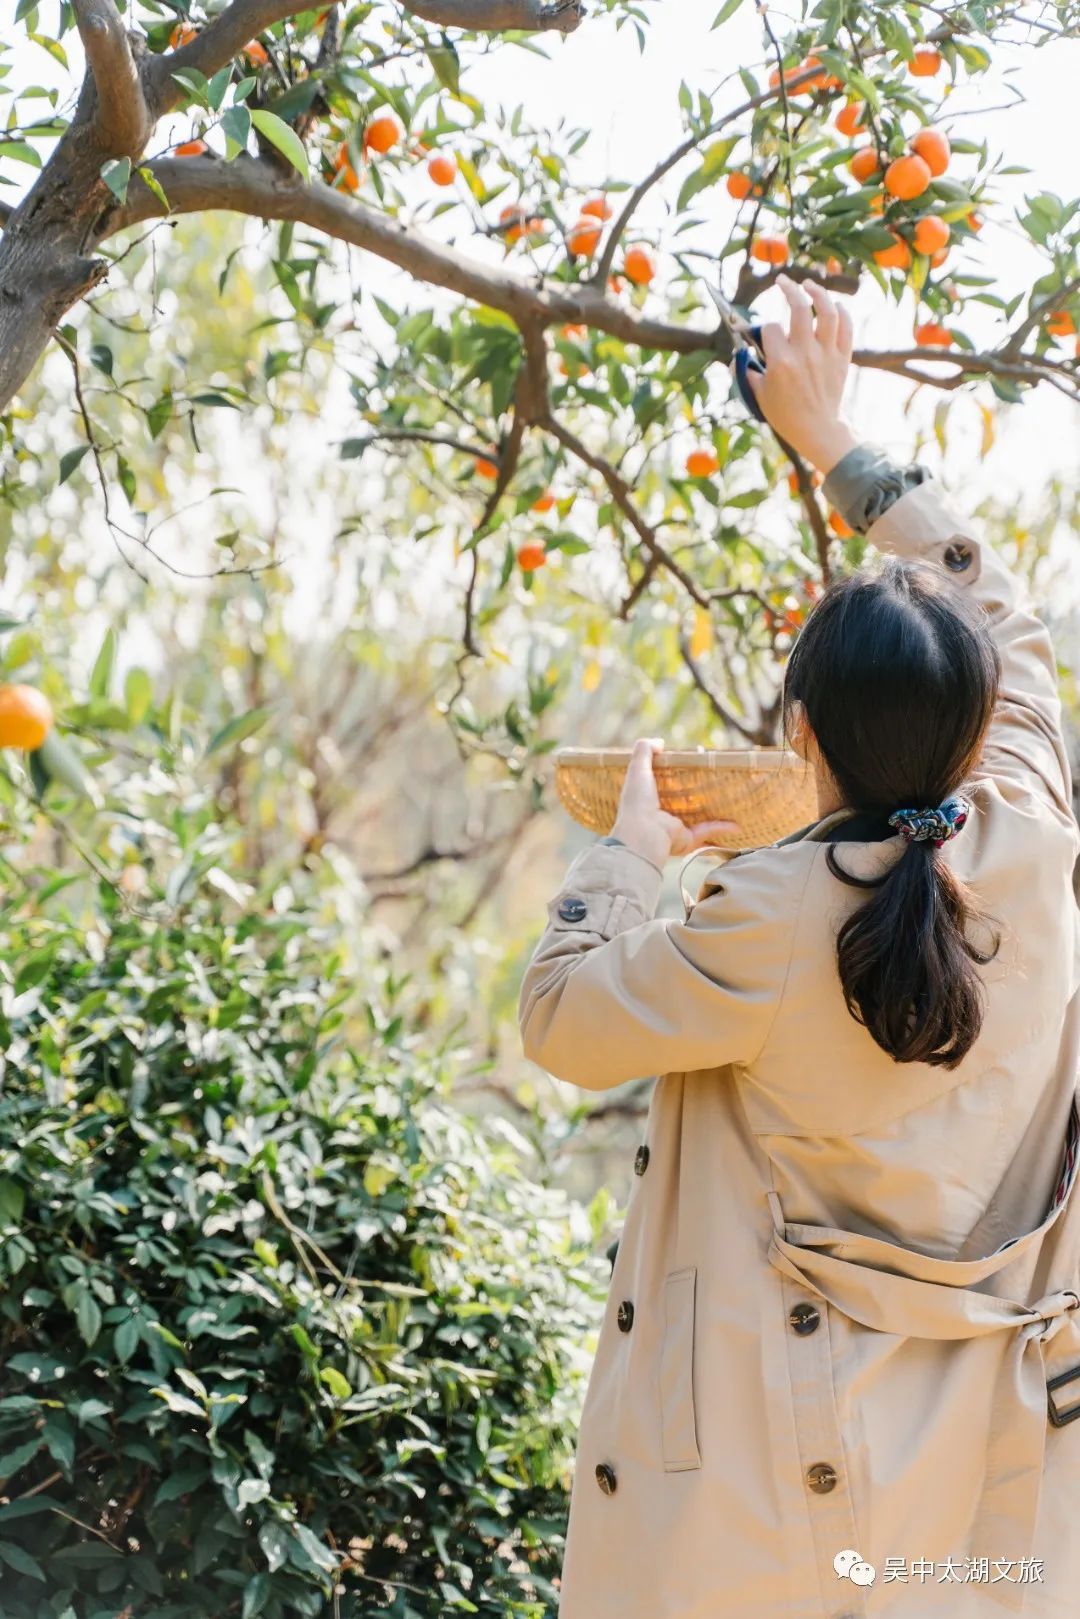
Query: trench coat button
[821, 1478]
[625, 1316]
[641, 1160]
[605, 1477]
[572, 909]
[804, 1319]
[957, 556]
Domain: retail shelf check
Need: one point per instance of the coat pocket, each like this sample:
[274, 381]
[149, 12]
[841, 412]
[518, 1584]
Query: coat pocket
[678, 1424]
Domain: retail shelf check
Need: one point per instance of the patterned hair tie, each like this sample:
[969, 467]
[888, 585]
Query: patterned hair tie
[937, 825]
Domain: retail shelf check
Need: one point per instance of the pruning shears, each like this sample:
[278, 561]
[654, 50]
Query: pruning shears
[749, 354]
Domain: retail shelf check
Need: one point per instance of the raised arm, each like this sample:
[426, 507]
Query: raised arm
[899, 509]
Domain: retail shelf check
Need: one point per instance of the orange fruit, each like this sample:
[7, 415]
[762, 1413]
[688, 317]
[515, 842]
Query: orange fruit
[182, 34]
[738, 185]
[932, 145]
[864, 163]
[877, 203]
[256, 52]
[584, 237]
[535, 229]
[598, 206]
[931, 334]
[907, 177]
[926, 63]
[571, 332]
[442, 167]
[577, 368]
[190, 149]
[383, 132]
[531, 556]
[702, 463]
[938, 259]
[931, 234]
[974, 221]
[544, 502]
[639, 266]
[833, 265]
[1060, 324]
[345, 176]
[820, 81]
[816, 480]
[848, 120]
[26, 717]
[485, 468]
[514, 220]
[896, 257]
[615, 283]
[770, 249]
[843, 530]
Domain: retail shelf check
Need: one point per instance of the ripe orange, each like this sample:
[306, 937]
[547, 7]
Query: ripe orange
[615, 283]
[531, 556]
[584, 237]
[932, 145]
[974, 221]
[896, 257]
[442, 167]
[833, 265]
[820, 80]
[816, 480]
[848, 120]
[738, 185]
[257, 53]
[702, 463]
[907, 177]
[573, 331]
[639, 266]
[927, 62]
[514, 220]
[864, 164]
[182, 34]
[770, 249]
[577, 368]
[931, 334]
[345, 176]
[383, 132]
[1060, 324]
[26, 717]
[938, 259]
[544, 502]
[190, 149]
[877, 203]
[842, 530]
[598, 206]
[485, 468]
[931, 234]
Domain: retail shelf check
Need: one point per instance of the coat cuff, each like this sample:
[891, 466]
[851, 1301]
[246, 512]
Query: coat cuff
[607, 888]
[921, 525]
[865, 483]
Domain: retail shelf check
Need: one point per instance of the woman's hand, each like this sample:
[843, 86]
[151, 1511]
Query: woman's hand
[802, 386]
[647, 829]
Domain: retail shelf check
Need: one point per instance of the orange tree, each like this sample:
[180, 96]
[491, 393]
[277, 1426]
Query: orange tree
[545, 382]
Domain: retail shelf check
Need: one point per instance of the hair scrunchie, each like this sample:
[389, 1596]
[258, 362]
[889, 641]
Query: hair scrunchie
[935, 825]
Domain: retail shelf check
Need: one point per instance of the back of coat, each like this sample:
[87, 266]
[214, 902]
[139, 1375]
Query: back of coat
[843, 1283]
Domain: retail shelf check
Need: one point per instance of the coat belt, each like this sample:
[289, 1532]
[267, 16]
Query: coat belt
[896, 1290]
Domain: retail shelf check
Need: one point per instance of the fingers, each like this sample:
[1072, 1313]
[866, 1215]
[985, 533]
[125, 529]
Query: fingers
[705, 832]
[641, 755]
[802, 311]
[828, 316]
[845, 331]
[775, 344]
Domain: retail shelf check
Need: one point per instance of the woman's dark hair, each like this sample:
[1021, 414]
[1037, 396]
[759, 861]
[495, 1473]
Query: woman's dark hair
[898, 676]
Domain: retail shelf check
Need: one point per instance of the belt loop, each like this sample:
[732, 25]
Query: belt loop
[776, 1212]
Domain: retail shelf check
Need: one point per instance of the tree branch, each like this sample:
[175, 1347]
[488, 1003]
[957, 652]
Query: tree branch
[495, 16]
[121, 119]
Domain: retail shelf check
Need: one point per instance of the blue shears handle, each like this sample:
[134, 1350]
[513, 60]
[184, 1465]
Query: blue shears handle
[749, 359]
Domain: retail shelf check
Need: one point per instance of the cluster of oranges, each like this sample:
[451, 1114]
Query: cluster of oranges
[26, 717]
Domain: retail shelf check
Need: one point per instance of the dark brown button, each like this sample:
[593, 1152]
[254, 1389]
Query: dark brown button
[572, 909]
[804, 1319]
[625, 1316]
[957, 556]
[605, 1477]
[641, 1160]
[821, 1478]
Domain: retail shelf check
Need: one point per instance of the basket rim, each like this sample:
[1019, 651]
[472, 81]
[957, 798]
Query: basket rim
[728, 758]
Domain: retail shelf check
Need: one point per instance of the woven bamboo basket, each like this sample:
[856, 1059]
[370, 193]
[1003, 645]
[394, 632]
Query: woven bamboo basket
[769, 791]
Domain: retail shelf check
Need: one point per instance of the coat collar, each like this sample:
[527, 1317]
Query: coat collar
[818, 831]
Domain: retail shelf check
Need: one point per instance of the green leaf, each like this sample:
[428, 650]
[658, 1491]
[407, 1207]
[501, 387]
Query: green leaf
[14, 1460]
[88, 1316]
[101, 356]
[153, 184]
[116, 175]
[70, 460]
[138, 694]
[728, 9]
[239, 728]
[104, 663]
[236, 124]
[285, 139]
[12, 1200]
[217, 86]
[446, 65]
[21, 152]
[125, 1340]
[20, 1560]
[195, 83]
[274, 1540]
[60, 762]
[339, 1386]
[257, 1593]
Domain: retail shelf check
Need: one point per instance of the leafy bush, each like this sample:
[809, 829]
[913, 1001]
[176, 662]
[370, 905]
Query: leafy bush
[281, 1333]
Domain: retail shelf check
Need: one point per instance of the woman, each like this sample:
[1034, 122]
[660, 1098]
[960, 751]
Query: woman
[851, 1263]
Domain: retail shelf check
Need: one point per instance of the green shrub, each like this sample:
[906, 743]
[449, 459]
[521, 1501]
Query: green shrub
[281, 1332]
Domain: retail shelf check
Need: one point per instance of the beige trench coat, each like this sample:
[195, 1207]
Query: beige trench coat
[843, 1283]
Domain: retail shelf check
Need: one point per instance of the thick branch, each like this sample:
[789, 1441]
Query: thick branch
[248, 186]
[120, 119]
[494, 16]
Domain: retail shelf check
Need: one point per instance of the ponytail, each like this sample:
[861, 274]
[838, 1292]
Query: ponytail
[905, 960]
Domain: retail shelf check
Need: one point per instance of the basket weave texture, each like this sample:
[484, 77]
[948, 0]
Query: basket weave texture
[769, 791]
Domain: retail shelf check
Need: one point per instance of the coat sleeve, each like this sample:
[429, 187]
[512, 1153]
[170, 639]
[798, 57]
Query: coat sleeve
[1025, 751]
[614, 993]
